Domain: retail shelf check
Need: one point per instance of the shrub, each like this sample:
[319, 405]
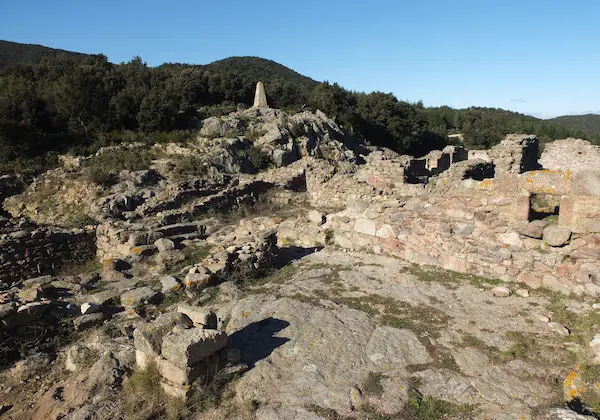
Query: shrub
[188, 167]
[103, 169]
[259, 159]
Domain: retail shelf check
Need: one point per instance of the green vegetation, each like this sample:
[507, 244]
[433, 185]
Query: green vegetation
[525, 346]
[449, 278]
[429, 408]
[589, 122]
[188, 166]
[52, 102]
[15, 53]
[192, 256]
[144, 398]
[103, 169]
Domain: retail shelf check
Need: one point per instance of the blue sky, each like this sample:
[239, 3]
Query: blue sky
[531, 56]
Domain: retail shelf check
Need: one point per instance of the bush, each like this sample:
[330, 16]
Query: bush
[259, 159]
[188, 167]
[103, 169]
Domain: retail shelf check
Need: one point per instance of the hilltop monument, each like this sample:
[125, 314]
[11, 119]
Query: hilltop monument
[260, 98]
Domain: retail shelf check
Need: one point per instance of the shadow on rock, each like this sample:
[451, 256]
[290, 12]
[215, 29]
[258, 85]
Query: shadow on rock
[292, 253]
[257, 341]
[577, 406]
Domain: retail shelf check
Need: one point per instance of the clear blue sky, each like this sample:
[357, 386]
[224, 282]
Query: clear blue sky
[534, 56]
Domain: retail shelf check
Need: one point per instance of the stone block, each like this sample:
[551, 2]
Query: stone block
[511, 239]
[534, 229]
[178, 375]
[580, 213]
[143, 360]
[520, 208]
[164, 245]
[139, 297]
[169, 284]
[548, 182]
[556, 236]
[84, 322]
[316, 217]
[386, 232]
[148, 337]
[199, 280]
[90, 308]
[200, 316]
[186, 348]
[365, 226]
[453, 263]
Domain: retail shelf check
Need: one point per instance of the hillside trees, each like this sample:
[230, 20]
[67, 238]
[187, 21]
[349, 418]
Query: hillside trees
[84, 102]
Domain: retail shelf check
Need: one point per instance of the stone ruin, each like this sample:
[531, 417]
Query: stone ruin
[184, 346]
[493, 213]
[499, 213]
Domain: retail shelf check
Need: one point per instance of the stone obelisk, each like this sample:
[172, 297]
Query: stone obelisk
[260, 98]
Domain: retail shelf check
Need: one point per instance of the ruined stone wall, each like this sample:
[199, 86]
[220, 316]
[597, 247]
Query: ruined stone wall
[466, 234]
[378, 179]
[516, 154]
[117, 240]
[33, 252]
[481, 224]
[572, 155]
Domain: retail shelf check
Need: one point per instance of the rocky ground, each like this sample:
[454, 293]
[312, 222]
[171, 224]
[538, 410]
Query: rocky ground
[342, 335]
[275, 267]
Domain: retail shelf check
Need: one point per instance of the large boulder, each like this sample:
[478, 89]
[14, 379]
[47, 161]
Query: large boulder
[222, 127]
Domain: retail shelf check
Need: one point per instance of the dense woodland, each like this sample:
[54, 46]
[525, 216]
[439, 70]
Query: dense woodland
[588, 122]
[78, 103]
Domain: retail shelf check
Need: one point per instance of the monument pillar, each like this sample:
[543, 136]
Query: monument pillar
[260, 98]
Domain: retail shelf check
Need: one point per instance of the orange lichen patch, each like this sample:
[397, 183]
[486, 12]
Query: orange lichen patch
[137, 250]
[572, 394]
[568, 382]
[485, 184]
[245, 314]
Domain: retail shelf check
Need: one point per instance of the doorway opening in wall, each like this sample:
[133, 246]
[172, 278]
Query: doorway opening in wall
[544, 206]
[481, 171]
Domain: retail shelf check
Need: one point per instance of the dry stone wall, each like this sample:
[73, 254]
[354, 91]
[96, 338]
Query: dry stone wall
[30, 252]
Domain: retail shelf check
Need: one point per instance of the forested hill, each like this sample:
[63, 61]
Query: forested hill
[260, 68]
[82, 102]
[588, 122]
[14, 52]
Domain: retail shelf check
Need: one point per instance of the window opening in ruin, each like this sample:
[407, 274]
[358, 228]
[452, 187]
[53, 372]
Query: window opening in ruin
[543, 206]
[417, 172]
[481, 171]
